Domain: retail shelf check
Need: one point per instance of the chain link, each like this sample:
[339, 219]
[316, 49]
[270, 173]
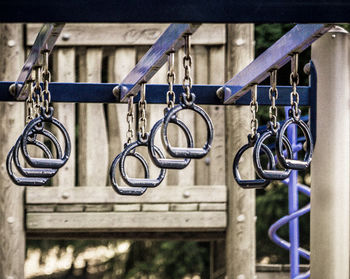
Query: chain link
[294, 81]
[37, 90]
[46, 76]
[273, 96]
[142, 110]
[130, 120]
[187, 63]
[254, 107]
[30, 106]
[170, 95]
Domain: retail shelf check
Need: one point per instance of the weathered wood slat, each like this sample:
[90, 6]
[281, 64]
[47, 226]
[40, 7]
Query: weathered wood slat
[12, 234]
[95, 195]
[217, 115]
[93, 143]
[64, 71]
[125, 34]
[200, 73]
[127, 221]
[123, 61]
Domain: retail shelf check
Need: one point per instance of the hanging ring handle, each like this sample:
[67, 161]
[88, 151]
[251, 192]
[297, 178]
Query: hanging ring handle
[140, 182]
[270, 174]
[259, 183]
[34, 127]
[37, 172]
[130, 191]
[292, 163]
[189, 152]
[169, 163]
[26, 181]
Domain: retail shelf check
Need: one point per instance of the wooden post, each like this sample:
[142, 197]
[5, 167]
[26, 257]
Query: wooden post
[12, 235]
[331, 162]
[240, 234]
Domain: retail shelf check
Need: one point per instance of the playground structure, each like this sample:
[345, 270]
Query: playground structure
[200, 212]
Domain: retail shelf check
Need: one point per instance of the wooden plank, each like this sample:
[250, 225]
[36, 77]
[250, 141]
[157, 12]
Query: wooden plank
[200, 73]
[212, 206]
[240, 234]
[184, 207]
[12, 234]
[122, 63]
[64, 71]
[127, 221]
[217, 114]
[93, 143]
[40, 208]
[87, 34]
[95, 195]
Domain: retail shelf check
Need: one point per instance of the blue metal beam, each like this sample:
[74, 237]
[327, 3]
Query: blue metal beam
[155, 58]
[230, 11]
[102, 93]
[45, 39]
[296, 40]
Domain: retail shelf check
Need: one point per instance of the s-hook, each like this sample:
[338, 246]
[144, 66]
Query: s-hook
[187, 101]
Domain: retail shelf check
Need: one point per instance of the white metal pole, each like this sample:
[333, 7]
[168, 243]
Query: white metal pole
[331, 161]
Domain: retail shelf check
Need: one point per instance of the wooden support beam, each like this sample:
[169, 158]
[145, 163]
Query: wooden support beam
[240, 234]
[331, 162]
[12, 235]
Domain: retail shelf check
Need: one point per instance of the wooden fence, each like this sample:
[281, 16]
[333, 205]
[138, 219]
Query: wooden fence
[80, 202]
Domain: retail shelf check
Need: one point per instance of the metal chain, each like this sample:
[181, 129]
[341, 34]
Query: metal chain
[46, 75]
[294, 81]
[187, 63]
[254, 107]
[273, 96]
[142, 110]
[130, 120]
[170, 95]
[30, 107]
[37, 90]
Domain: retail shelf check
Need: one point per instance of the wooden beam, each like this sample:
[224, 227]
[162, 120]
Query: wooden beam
[107, 34]
[126, 221]
[95, 195]
[240, 234]
[12, 235]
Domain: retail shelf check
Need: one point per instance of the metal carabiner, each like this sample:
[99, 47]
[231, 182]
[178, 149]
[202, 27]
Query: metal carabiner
[259, 183]
[169, 163]
[189, 152]
[35, 126]
[140, 182]
[270, 174]
[136, 191]
[292, 163]
[37, 172]
[26, 181]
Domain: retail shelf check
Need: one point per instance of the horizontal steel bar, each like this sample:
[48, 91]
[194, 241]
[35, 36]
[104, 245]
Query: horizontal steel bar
[156, 57]
[156, 94]
[296, 40]
[45, 39]
[234, 11]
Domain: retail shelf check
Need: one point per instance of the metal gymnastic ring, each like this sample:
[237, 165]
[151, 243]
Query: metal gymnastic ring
[140, 182]
[259, 183]
[270, 174]
[183, 152]
[38, 172]
[133, 191]
[35, 126]
[26, 181]
[169, 163]
[291, 163]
